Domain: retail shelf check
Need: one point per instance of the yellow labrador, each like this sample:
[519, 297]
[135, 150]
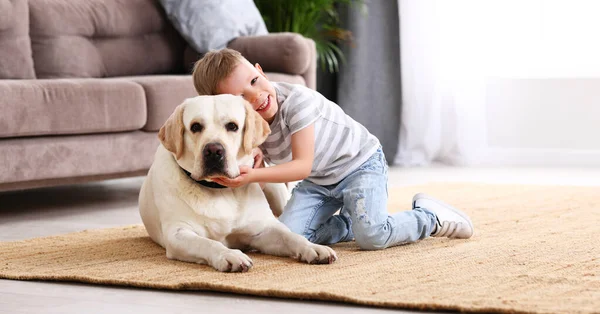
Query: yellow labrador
[195, 219]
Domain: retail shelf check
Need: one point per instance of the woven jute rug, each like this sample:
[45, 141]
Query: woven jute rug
[536, 250]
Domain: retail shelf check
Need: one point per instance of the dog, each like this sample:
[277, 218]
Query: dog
[195, 219]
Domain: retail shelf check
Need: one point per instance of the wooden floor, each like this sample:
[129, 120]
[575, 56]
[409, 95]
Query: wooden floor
[58, 210]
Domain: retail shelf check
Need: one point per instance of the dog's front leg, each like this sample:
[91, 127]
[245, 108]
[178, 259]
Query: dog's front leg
[277, 239]
[186, 245]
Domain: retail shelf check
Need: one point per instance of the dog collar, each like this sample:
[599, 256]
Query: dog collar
[205, 183]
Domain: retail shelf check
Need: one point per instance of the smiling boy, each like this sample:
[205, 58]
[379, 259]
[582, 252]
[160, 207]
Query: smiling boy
[341, 164]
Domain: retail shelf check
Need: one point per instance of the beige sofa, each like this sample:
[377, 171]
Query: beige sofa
[85, 85]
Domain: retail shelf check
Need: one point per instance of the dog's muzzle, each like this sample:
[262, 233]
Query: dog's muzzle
[214, 158]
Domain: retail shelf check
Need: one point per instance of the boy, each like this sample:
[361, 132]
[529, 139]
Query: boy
[341, 165]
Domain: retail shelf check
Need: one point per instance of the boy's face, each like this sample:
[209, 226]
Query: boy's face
[251, 83]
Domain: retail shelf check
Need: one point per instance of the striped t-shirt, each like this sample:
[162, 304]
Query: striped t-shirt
[341, 144]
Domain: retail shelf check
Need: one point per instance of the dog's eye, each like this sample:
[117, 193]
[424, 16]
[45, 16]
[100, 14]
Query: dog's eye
[231, 127]
[196, 127]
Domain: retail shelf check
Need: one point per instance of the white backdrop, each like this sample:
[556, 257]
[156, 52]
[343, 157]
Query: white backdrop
[454, 53]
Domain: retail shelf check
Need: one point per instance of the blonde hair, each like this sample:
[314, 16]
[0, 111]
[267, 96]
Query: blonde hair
[214, 67]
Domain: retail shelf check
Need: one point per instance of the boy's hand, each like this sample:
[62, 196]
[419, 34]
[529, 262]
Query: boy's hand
[242, 179]
[257, 154]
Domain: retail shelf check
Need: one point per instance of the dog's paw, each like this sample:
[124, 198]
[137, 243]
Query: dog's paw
[233, 261]
[317, 254]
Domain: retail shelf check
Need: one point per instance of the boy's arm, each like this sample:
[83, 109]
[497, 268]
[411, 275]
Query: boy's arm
[259, 162]
[303, 147]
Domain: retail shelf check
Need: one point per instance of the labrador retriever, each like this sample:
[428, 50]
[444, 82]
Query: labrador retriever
[195, 219]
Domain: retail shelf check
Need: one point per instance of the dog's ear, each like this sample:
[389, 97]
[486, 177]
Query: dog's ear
[256, 129]
[171, 133]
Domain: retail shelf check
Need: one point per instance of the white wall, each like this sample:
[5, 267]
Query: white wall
[537, 121]
[500, 82]
[543, 82]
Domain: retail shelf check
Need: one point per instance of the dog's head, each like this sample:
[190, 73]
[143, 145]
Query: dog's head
[211, 136]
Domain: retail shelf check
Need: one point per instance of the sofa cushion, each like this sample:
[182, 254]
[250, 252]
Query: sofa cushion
[165, 92]
[207, 24]
[15, 46]
[73, 158]
[103, 38]
[70, 106]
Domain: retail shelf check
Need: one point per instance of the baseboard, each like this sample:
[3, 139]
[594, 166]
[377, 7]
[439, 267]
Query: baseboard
[540, 157]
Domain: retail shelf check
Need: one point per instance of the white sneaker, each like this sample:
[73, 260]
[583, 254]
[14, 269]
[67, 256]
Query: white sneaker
[451, 222]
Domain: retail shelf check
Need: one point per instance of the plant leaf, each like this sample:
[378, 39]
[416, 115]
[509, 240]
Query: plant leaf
[315, 19]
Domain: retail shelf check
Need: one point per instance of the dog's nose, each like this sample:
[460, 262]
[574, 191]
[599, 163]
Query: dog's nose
[214, 151]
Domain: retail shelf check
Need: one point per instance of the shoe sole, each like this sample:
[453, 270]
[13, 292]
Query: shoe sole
[455, 210]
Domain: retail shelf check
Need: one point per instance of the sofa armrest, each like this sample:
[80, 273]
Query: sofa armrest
[6, 14]
[289, 53]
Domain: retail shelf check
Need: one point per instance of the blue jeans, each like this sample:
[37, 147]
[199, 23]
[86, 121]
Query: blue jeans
[362, 198]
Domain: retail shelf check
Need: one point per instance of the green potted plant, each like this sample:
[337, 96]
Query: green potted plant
[315, 19]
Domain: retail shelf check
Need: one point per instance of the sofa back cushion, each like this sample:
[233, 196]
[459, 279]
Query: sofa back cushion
[102, 38]
[15, 46]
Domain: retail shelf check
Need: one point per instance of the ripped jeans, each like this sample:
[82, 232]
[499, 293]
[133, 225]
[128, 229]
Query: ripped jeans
[361, 198]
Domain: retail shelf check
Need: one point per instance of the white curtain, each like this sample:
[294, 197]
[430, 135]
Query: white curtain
[450, 52]
[443, 116]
